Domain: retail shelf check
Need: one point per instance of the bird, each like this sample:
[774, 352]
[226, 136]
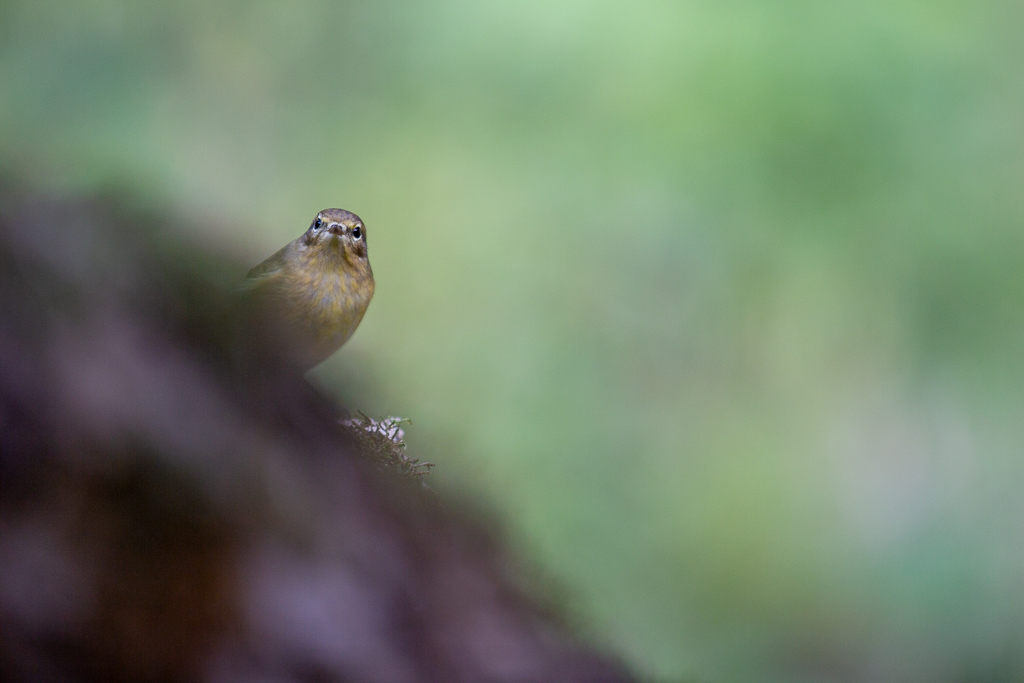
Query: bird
[314, 291]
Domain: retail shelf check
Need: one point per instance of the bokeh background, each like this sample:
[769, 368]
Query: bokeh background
[720, 304]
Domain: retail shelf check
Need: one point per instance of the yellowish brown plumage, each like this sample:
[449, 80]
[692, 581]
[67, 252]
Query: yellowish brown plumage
[317, 287]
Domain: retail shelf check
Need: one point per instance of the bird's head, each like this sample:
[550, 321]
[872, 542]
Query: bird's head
[338, 232]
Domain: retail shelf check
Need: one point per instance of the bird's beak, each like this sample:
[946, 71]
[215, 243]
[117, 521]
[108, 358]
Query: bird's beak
[336, 230]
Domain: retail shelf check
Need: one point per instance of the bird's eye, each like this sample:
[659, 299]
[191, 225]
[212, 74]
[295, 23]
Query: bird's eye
[318, 223]
[356, 232]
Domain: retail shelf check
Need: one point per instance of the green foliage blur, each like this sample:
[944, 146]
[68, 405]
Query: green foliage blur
[720, 303]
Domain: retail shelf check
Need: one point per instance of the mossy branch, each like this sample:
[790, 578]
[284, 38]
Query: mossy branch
[383, 441]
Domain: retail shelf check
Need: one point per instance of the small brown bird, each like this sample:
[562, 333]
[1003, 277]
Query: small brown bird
[317, 287]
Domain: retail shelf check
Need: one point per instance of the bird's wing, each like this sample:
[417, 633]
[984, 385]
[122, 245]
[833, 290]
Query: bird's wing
[265, 272]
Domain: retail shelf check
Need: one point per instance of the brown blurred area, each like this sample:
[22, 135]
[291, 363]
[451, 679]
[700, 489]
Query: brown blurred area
[173, 510]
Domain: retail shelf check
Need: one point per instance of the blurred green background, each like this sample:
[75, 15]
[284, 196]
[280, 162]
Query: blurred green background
[719, 303]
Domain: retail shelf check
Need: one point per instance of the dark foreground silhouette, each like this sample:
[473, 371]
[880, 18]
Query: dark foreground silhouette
[176, 504]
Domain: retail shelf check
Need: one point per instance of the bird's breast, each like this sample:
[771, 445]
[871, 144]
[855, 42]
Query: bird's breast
[328, 303]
